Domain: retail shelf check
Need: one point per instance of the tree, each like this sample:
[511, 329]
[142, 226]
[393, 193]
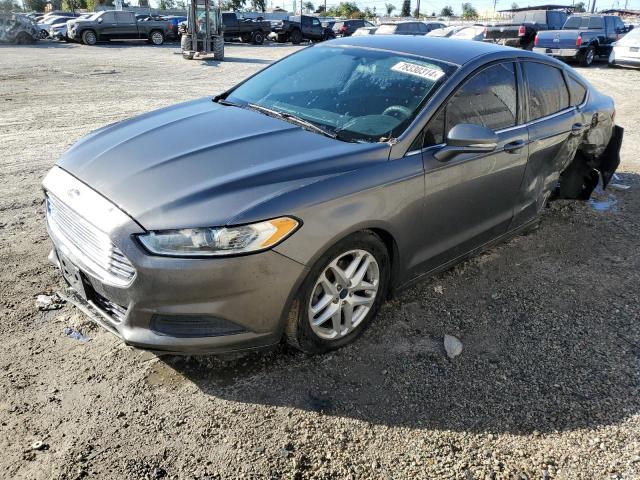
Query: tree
[446, 11]
[308, 6]
[344, 10]
[167, 4]
[514, 5]
[259, 5]
[180, 5]
[389, 7]
[35, 5]
[406, 8]
[73, 5]
[320, 9]
[416, 13]
[579, 7]
[8, 6]
[468, 12]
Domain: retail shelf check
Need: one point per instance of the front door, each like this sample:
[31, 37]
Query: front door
[469, 200]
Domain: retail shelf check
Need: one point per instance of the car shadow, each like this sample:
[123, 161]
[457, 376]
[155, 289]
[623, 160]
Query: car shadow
[214, 63]
[550, 336]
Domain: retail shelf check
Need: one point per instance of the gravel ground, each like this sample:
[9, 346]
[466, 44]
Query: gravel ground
[546, 386]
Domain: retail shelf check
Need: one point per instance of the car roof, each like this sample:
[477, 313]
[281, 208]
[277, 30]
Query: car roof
[447, 50]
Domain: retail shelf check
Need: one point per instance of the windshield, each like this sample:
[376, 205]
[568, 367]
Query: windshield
[576, 23]
[357, 94]
[95, 16]
[441, 32]
[632, 37]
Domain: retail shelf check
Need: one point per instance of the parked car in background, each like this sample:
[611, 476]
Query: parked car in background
[331, 178]
[475, 33]
[247, 30]
[431, 26]
[402, 28]
[116, 25]
[626, 51]
[521, 30]
[19, 29]
[446, 31]
[583, 38]
[59, 32]
[297, 28]
[346, 28]
[328, 23]
[174, 22]
[44, 27]
[365, 31]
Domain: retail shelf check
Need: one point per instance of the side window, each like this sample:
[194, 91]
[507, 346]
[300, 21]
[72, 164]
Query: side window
[576, 91]
[124, 17]
[596, 23]
[547, 91]
[489, 99]
[619, 25]
[109, 17]
[315, 22]
[608, 21]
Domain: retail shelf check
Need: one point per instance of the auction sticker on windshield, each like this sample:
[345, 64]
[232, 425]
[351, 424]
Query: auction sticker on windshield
[428, 73]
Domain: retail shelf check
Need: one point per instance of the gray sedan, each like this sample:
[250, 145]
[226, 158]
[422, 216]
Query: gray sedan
[292, 205]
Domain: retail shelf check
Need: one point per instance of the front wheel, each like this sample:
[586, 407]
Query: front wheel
[89, 37]
[218, 48]
[341, 295]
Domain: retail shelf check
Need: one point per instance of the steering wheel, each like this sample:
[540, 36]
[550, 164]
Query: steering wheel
[398, 111]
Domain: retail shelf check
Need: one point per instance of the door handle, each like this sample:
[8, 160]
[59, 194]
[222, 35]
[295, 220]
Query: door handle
[577, 128]
[513, 147]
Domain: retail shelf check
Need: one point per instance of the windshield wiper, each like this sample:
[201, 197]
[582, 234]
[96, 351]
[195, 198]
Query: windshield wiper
[294, 119]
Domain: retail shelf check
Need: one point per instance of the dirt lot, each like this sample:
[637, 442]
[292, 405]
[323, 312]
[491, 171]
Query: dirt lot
[546, 387]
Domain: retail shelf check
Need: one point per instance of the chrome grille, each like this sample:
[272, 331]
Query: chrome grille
[93, 246]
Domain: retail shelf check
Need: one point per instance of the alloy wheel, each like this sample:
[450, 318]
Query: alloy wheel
[156, 38]
[590, 56]
[343, 294]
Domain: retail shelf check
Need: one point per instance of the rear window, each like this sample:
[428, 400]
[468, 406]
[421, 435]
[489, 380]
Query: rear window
[389, 29]
[548, 93]
[575, 22]
[577, 91]
[530, 17]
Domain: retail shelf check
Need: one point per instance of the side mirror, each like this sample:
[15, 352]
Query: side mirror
[467, 138]
[100, 20]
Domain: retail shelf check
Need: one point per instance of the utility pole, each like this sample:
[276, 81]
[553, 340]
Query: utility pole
[418, 9]
[593, 6]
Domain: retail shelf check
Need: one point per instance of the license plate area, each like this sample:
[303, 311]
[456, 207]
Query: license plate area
[72, 275]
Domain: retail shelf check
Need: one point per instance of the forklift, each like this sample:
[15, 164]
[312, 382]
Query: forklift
[203, 35]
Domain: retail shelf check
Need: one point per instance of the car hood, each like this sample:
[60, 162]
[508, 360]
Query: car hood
[203, 164]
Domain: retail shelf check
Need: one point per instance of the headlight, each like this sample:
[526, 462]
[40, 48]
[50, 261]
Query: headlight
[213, 242]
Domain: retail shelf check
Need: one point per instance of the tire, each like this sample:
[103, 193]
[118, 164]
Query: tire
[43, 34]
[296, 37]
[218, 48]
[257, 38]
[156, 37]
[23, 38]
[586, 57]
[281, 38]
[89, 37]
[324, 336]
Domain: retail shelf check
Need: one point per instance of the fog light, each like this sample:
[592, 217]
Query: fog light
[193, 326]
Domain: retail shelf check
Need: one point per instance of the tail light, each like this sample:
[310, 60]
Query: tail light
[522, 31]
[579, 41]
[484, 32]
[535, 41]
[343, 28]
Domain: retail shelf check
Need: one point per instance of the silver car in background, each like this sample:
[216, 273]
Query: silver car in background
[292, 205]
[626, 51]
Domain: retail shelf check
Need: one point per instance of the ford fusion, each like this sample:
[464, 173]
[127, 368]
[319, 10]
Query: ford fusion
[292, 205]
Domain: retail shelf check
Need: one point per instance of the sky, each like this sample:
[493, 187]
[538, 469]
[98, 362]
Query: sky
[428, 6]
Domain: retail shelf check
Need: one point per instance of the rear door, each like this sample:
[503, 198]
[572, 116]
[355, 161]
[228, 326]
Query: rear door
[108, 27]
[469, 199]
[555, 127]
[127, 25]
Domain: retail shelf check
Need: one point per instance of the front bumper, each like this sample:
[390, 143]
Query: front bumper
[252, 293]
[558, 52]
